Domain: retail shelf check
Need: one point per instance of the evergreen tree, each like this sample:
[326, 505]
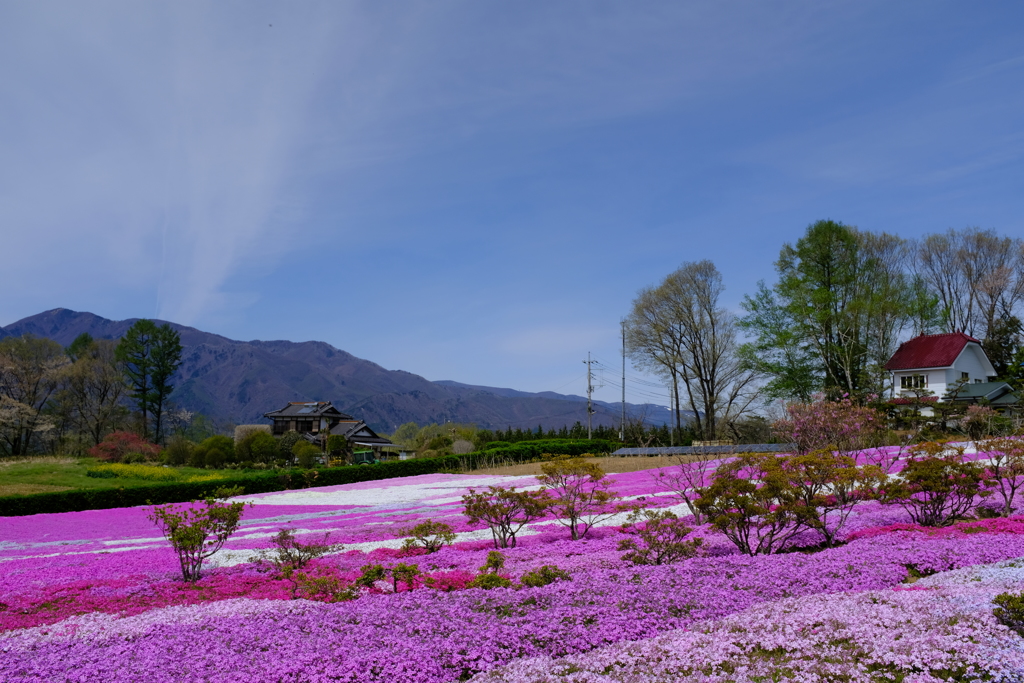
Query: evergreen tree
[149, 356]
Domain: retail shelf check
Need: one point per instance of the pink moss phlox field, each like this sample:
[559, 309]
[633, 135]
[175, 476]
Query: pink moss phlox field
[96, 597]
[433, 636]
[920, 636]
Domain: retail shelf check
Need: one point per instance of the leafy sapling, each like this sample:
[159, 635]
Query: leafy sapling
[290, 556]
[505, 511]
[197, 531]
[580, 492]
[429, 535]
[543, 576]
[489, 576]
[657, 537]
[938, 486]
[404, 573]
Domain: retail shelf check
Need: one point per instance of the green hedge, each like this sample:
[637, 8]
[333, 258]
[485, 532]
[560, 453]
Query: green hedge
[265, 482]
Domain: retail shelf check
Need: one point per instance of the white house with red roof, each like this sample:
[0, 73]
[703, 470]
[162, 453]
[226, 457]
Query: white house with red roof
[937, 363]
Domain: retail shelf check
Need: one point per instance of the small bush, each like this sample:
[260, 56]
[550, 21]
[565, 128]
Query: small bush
[548, 573]
[404, 573]
[936, 491]
[285, 443]
[505, 511]
[213, 453]
[659, 537]
[489, 581]
[462, 446]
[430, 536]
[243, 432]
[580, 495]
[305, 454]
[256, 446]
[178, 451]
[291, 556]
[119, 445]
[337, 444]
[1009, 611]
[197, 532]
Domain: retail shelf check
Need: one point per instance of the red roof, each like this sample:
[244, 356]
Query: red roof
[929, 351]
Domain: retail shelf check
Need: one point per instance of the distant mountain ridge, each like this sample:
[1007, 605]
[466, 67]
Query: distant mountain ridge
[238, 381]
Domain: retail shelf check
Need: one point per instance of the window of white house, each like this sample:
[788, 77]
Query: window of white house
[914, 382]
[965, 375]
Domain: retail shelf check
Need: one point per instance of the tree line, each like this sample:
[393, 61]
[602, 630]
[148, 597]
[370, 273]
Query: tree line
[842, 301]
[60, 399]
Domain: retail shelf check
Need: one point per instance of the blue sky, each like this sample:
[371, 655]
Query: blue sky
[476, 191]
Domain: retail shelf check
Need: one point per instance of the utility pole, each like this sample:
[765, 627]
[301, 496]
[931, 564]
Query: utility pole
[622, 423]
[590, 402]
[671, 425]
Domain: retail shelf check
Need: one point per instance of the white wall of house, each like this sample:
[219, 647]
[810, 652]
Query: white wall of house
[934, 380]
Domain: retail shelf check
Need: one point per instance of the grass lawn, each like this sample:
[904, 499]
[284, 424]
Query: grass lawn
[48, 473]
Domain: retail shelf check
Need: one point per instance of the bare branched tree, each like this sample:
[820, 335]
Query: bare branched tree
[690, 474]
[681, 329]
[977, 275]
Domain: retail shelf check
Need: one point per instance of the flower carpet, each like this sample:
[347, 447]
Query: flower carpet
[97, 596]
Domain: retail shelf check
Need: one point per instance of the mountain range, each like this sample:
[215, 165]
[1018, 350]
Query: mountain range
[234, 381]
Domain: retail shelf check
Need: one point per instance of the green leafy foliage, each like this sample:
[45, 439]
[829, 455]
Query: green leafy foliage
[1005, 469]
[403, 573]
[213, 452]
[489, 581]
[149, 355]
[370, 574]
[936, 490]
[831, 484]
[544, 575]
[1009, 611]
[178, 451]
[257, 446]
[197, 531]
[658, 537]
[752, 502]
[290, 556]
[305, 454]
[429, 535]
[490, 576]
[580, 495]
[505, 511]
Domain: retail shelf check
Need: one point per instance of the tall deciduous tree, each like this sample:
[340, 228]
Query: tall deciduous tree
[94, 388]
[842, 301]
[31, 372]
[150, 355]
[977, 275]
[681, 330]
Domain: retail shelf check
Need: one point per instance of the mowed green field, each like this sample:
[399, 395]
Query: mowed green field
[48, 473]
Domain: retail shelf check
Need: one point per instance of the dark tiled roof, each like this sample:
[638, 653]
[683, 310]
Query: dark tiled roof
[986, 390]
[350, 430]
[309, 409]
[929, 351]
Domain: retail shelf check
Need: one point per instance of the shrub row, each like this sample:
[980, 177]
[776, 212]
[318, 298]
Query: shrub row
[265, 482]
